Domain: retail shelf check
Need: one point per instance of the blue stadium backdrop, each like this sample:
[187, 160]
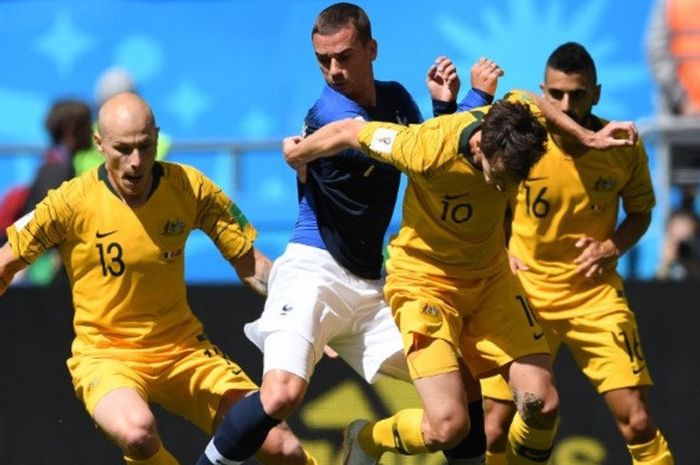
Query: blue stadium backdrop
[244, 70]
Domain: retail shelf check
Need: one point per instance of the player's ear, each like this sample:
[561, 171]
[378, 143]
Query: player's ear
[98, 140]
[596, 94]
[373, 48]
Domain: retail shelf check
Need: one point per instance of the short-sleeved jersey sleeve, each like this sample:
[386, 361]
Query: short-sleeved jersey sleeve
[47, 225]
[418, 149]
[222, 220]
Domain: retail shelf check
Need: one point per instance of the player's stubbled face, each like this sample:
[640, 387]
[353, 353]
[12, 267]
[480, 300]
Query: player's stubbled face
[345, 62]
[129, 156]
[572, 93]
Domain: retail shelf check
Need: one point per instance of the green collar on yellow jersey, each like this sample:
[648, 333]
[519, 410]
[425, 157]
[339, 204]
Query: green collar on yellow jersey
[157, 171]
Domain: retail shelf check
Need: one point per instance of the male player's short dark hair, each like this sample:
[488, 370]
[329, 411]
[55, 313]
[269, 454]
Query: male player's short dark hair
[340, 15]
[573, 57]
[511, 133]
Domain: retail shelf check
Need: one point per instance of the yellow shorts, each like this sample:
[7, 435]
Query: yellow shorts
[488, 321]
[605, 345]
[188, 382]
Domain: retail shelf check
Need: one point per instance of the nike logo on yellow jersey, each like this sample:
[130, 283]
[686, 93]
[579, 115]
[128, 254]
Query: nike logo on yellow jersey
[100, 235]
[454, 197]
[636, 371]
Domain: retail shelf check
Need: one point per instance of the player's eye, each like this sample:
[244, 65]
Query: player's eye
[556, 94]
[345, 56]
[577, 94]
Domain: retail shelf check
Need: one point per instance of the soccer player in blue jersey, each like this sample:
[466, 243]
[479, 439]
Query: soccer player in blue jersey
[327, 287]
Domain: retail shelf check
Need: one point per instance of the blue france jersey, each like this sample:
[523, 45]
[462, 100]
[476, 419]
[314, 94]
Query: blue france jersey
[347, 201]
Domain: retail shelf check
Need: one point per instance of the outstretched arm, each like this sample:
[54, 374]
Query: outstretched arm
[9, 266]
[560, 123]
[325, 142]
[253, 269]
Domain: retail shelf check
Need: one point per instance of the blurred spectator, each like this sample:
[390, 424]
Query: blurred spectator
[111, 82]
[680, 257]
[69, 126]
[11, 206]
[673, 45]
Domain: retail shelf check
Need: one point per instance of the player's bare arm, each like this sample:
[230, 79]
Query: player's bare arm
[595, 254]
[325, 142]
[608, 137]
[253, 269]
[9, 266]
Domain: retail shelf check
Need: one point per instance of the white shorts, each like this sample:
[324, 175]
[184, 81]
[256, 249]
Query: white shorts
[312, 296]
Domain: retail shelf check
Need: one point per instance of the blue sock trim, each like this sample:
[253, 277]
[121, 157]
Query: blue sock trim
[243, 430]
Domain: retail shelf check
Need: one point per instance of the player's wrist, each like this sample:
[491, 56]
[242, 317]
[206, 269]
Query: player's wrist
[612, 248]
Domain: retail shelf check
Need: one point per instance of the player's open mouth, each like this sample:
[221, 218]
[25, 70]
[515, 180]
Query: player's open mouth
[132, 179]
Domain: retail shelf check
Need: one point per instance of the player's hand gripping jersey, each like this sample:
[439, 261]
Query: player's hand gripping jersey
[554, 212]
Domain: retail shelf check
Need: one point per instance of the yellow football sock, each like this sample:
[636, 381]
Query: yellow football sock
[400, 434]
[310, 459]
[654, 452]
[528, 445]
[162, 457]
[496, 458]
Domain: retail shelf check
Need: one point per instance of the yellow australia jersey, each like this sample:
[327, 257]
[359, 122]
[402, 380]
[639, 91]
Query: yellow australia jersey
[563, 200]
[452, 224]
[126, 266]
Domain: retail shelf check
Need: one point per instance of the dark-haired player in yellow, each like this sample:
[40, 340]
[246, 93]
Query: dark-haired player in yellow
[121, 231]
[453, 297]
[564, 246]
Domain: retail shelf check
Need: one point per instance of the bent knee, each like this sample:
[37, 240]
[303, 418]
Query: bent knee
[498, 415]
[281, 396]
[446, 434]
[137, 435]
[539, 411]
[496, 434]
